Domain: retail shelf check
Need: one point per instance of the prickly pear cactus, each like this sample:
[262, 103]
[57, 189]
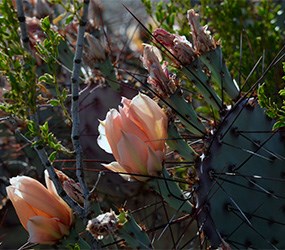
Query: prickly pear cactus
[240, 170]
[240, 193]
[221, 179]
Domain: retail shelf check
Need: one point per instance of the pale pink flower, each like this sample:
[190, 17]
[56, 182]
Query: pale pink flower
[135, 135]
[41, 211]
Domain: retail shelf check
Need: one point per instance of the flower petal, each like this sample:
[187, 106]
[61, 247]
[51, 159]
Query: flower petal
[113, 127]
[45, 230]
[116, 167]
[151, 119]
[51, 188]
[133, 153]
[23, 209]
[154, 160]
[102, 139]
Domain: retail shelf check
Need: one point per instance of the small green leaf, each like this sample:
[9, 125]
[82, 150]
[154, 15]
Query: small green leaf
[45, 23]
[31, 126]
[52, 156]
[278, 124]
[46, 78]
[54, 102]
[69, 19]
[44, 128]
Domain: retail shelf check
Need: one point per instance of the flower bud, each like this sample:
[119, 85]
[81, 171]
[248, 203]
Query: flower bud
[178, 46]
[94, 51]
[72, 188]
[162, 81]
[202, 39]
[42, 213]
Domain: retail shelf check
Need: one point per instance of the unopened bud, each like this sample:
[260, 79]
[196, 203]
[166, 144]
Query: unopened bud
[202, 39]
[162, 81]
[178, 46]
[71, 187]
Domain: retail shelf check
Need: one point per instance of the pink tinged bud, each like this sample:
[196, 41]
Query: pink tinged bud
[151, 56]
[202, 39]
[179, 46]
[136, 135]
[43, 214]
[164, 37]
[158, 74]
[183, 50]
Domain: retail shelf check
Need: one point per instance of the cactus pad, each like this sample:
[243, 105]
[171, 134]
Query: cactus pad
[240, 196]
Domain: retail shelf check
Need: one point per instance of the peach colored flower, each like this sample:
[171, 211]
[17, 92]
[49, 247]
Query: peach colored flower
[41, 211]
[135, 135]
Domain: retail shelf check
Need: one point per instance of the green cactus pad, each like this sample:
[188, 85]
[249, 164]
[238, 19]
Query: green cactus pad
[219, 71]
[172, 193]
[194, 72]
[186, 113]
[132, 233]
[242, 182]
[178, 144]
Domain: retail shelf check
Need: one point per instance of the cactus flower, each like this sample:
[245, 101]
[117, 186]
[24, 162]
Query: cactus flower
[135, 135]
[41, 211]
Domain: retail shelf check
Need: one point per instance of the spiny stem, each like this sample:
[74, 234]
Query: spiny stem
[75, 105]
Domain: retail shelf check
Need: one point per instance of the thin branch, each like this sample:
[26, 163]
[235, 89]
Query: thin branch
[39, 149]
[22, 19]
[75, 105]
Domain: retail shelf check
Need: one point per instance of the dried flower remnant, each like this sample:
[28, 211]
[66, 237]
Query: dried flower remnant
[103, 225]
[41, 211]
[135, 135]
[71, 187]
[179, 46]
[94, 51]
[159, 77]
[202, 39]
